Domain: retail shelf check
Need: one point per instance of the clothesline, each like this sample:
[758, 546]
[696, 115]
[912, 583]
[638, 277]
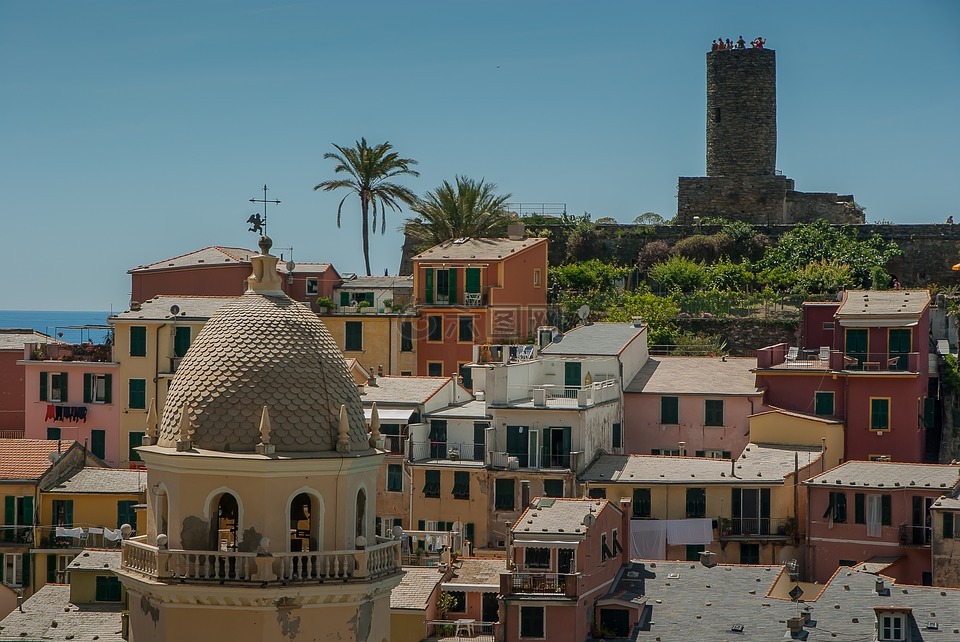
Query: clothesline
[111, 535]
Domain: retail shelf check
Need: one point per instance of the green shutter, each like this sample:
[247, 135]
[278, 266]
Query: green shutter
[43, 386]
[421, 525]
[452, 290]
[137, 393]
[181, 341]
[886, 510]
[9, 510]
[68, 512]
[53, 433]
[87, 387]
[344, 299]
[108, 388]
[859, 509]
[25, 561]
[138, 341]
[428, 285]
[670, 410]
[736, 495]
[28, 519]
[135, 440]
[947, 525]
[472, 280]
[823, 403]
[64, 396]
[51, 569]
[98, 443]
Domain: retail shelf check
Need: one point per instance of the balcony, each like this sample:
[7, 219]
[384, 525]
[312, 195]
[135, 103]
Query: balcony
[553, 461]
[912, 535]
[87, 352]
[447, 452]
[548, 395]
[16, 535]
[539, 584]
[783, 357]
[462, 629]
[395, 444]
[757, 528]
[177, 566]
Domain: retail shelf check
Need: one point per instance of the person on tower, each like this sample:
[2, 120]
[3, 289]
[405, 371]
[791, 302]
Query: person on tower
[741, 43]
[729, 44]
[720, 45]
[714, 46]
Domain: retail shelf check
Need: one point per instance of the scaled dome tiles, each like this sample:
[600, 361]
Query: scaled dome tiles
[263, 350]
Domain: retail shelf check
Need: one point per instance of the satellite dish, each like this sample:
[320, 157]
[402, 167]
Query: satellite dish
[457, 526]
[174, 309]
[589, 520]
[583, 312]
[291, 265]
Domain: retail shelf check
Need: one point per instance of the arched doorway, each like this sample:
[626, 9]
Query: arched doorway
[303, 524]
[225, 526]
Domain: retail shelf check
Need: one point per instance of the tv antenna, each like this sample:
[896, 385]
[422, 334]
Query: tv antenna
[258, 224]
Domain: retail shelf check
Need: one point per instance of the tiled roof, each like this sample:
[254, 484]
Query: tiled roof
[14, 338]
[49, 615]
[951, 503]
[689, 601]
[480, 249]
[876, 564]
[411, 390]
[883, 303]
[799, 415]
[263, 350]
[475, 571]
[115, 481]
[886, 474]
[191, 307]
[415, 588]
[304, 267]
[375, 282]
[558, 515]
[469, 410]
[214, 254]
[758, 464]
[696, 375]
[93, 559]
[599, 339]
[28, 458]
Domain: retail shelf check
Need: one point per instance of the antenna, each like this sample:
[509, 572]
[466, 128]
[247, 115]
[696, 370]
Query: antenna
[258, 223]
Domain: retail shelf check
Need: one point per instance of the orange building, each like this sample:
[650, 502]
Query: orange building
[474, 291]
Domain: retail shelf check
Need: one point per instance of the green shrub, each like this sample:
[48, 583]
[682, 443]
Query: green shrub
[679, 273]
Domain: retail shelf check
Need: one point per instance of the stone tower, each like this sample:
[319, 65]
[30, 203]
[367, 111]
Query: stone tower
[742, 181]
[262, 482]
[742, 112]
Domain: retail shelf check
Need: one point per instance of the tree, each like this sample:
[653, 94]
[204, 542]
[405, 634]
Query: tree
[369, 170]
[469, 208]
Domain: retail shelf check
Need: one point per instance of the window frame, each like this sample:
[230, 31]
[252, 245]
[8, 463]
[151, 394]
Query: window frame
[461, 480]
[499, 494]
[312, 286]
[406, 336]
[431, 484]
[889, 404]
[642, 506]
[816, 402]
[435, 328]
[394, 471]
[665, 411]
[434, 363]
[14, 578]
[890, 627]
[130, 395]
[353, 336]
[460, 327]
[709, 415]
[135, 342]
[700, 507]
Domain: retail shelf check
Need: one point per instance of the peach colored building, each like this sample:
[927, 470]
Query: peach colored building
[704, 402]
[872, 511]
[476, 291]
[262, 475]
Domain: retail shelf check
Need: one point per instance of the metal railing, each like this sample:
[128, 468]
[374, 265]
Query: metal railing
[16, 534]
[912, 535]
[449, 450]
[563, 396]
[756, 527]
[461, 629]
[395, 444]
[198, 566]
[529, 583]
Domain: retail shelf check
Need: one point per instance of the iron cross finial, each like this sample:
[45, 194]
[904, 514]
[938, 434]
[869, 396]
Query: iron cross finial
[258, 223]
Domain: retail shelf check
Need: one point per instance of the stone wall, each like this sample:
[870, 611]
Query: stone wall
[754, 199]
[807, 207]
[744, 336]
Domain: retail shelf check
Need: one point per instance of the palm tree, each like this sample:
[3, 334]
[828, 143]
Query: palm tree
[470, 208]
[369, 170]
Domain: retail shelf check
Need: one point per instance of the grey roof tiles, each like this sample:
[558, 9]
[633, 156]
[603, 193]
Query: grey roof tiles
[696, 375]
[596, 339]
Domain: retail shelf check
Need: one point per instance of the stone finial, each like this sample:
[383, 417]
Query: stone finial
[265, 447]
[264, 279]
[150, 437]
[343, 431]
[374, 425]
[185, 442]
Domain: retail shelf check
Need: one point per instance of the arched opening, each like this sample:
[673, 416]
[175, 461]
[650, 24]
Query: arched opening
[225, 525]
[303, 524]
[163, 512]
[361, 513]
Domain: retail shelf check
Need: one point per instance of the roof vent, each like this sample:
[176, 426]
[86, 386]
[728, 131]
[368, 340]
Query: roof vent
[708, 558]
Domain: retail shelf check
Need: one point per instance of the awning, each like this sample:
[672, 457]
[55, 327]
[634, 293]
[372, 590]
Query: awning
[390, 415]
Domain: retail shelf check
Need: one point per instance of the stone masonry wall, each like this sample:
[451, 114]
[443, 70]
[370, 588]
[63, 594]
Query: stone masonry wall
[754, 199]
[807, 207]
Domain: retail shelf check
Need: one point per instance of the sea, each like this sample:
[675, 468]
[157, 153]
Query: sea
[68, 325]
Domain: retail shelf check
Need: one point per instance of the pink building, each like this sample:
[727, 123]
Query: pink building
[874, 374]
[703, 402]
[879, 512]
[72, 397]
[566, 556]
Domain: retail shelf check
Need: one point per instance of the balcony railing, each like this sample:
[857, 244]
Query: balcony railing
[560, 584]
[461, 629]
[911, 535]
[446, 450]
[395, 444]
[12, 434]
[783, 357]
[201, 566]
[553, 396]
[757, 528]
[16, 535]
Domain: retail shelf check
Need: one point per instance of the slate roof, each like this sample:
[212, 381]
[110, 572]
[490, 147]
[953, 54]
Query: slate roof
[406, 390]
[478, 572]
[556, 515]
[263, 350]
[116, 481]
[191, 307]
[887, 474]
[951, 503]
[377, 282]
[758, 464]
[92, 559]
[469, 410]
[308, 268]
[481, 249]
[696, 376]
[415, 588]
[28, 459]
[49, 615]
[702, 603]
[800, 415]
[213, 254]
[883, 303]
[596, 339]
[14, 338]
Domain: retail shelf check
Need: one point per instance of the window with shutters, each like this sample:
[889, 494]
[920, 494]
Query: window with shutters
[823, 403]
[181, 340]
[435, 368]
[696, 502]
[617, 437]
[837, 508]
[18, 519]
[465, 329]
[713, 412]
[126, 514]
[53, 387]
[395, 478]
[53, 433]
[948, 525]
[108, 588]
[431, 483]
[669, 410]
[435, 328]
[461, 484]
[63, 512]
[406, 336]
[642, 503]
[879, 413]
[597, 493]
[98, 443]
[353, 331]
[553, 487]
[532, 622]
[749, 553]
[134, 439]
[137, 393]
[97, 388]
[313, 286]
[503, 494]
[138, 341]
[13, 569]
[536, 277]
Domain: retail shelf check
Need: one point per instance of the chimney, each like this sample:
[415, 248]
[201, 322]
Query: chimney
[515, 231]
[637, 322]
[524, 493]
[683, 448]
[708, 558]
[372, 379]
[879, 587]
[380, 370]
[794, 625]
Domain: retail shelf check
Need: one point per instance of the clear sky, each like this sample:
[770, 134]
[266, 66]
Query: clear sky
[136, 131]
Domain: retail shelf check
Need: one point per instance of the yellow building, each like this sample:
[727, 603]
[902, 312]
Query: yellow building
[85, 509]
[787, 428]
[378, 340]
[149, 341]
[748, 510]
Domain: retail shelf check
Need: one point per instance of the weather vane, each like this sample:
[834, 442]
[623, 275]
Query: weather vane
[258, 223]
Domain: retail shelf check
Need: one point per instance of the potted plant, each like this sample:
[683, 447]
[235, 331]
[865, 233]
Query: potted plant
[388, 306]
[365, 307]
[324, 304]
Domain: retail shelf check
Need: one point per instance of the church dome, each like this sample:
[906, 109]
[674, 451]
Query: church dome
[264, 349]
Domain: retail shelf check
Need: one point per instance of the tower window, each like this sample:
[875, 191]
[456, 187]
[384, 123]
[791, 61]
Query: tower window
[716, 114]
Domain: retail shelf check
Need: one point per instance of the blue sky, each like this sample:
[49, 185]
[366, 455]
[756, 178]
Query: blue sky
[136, 131]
